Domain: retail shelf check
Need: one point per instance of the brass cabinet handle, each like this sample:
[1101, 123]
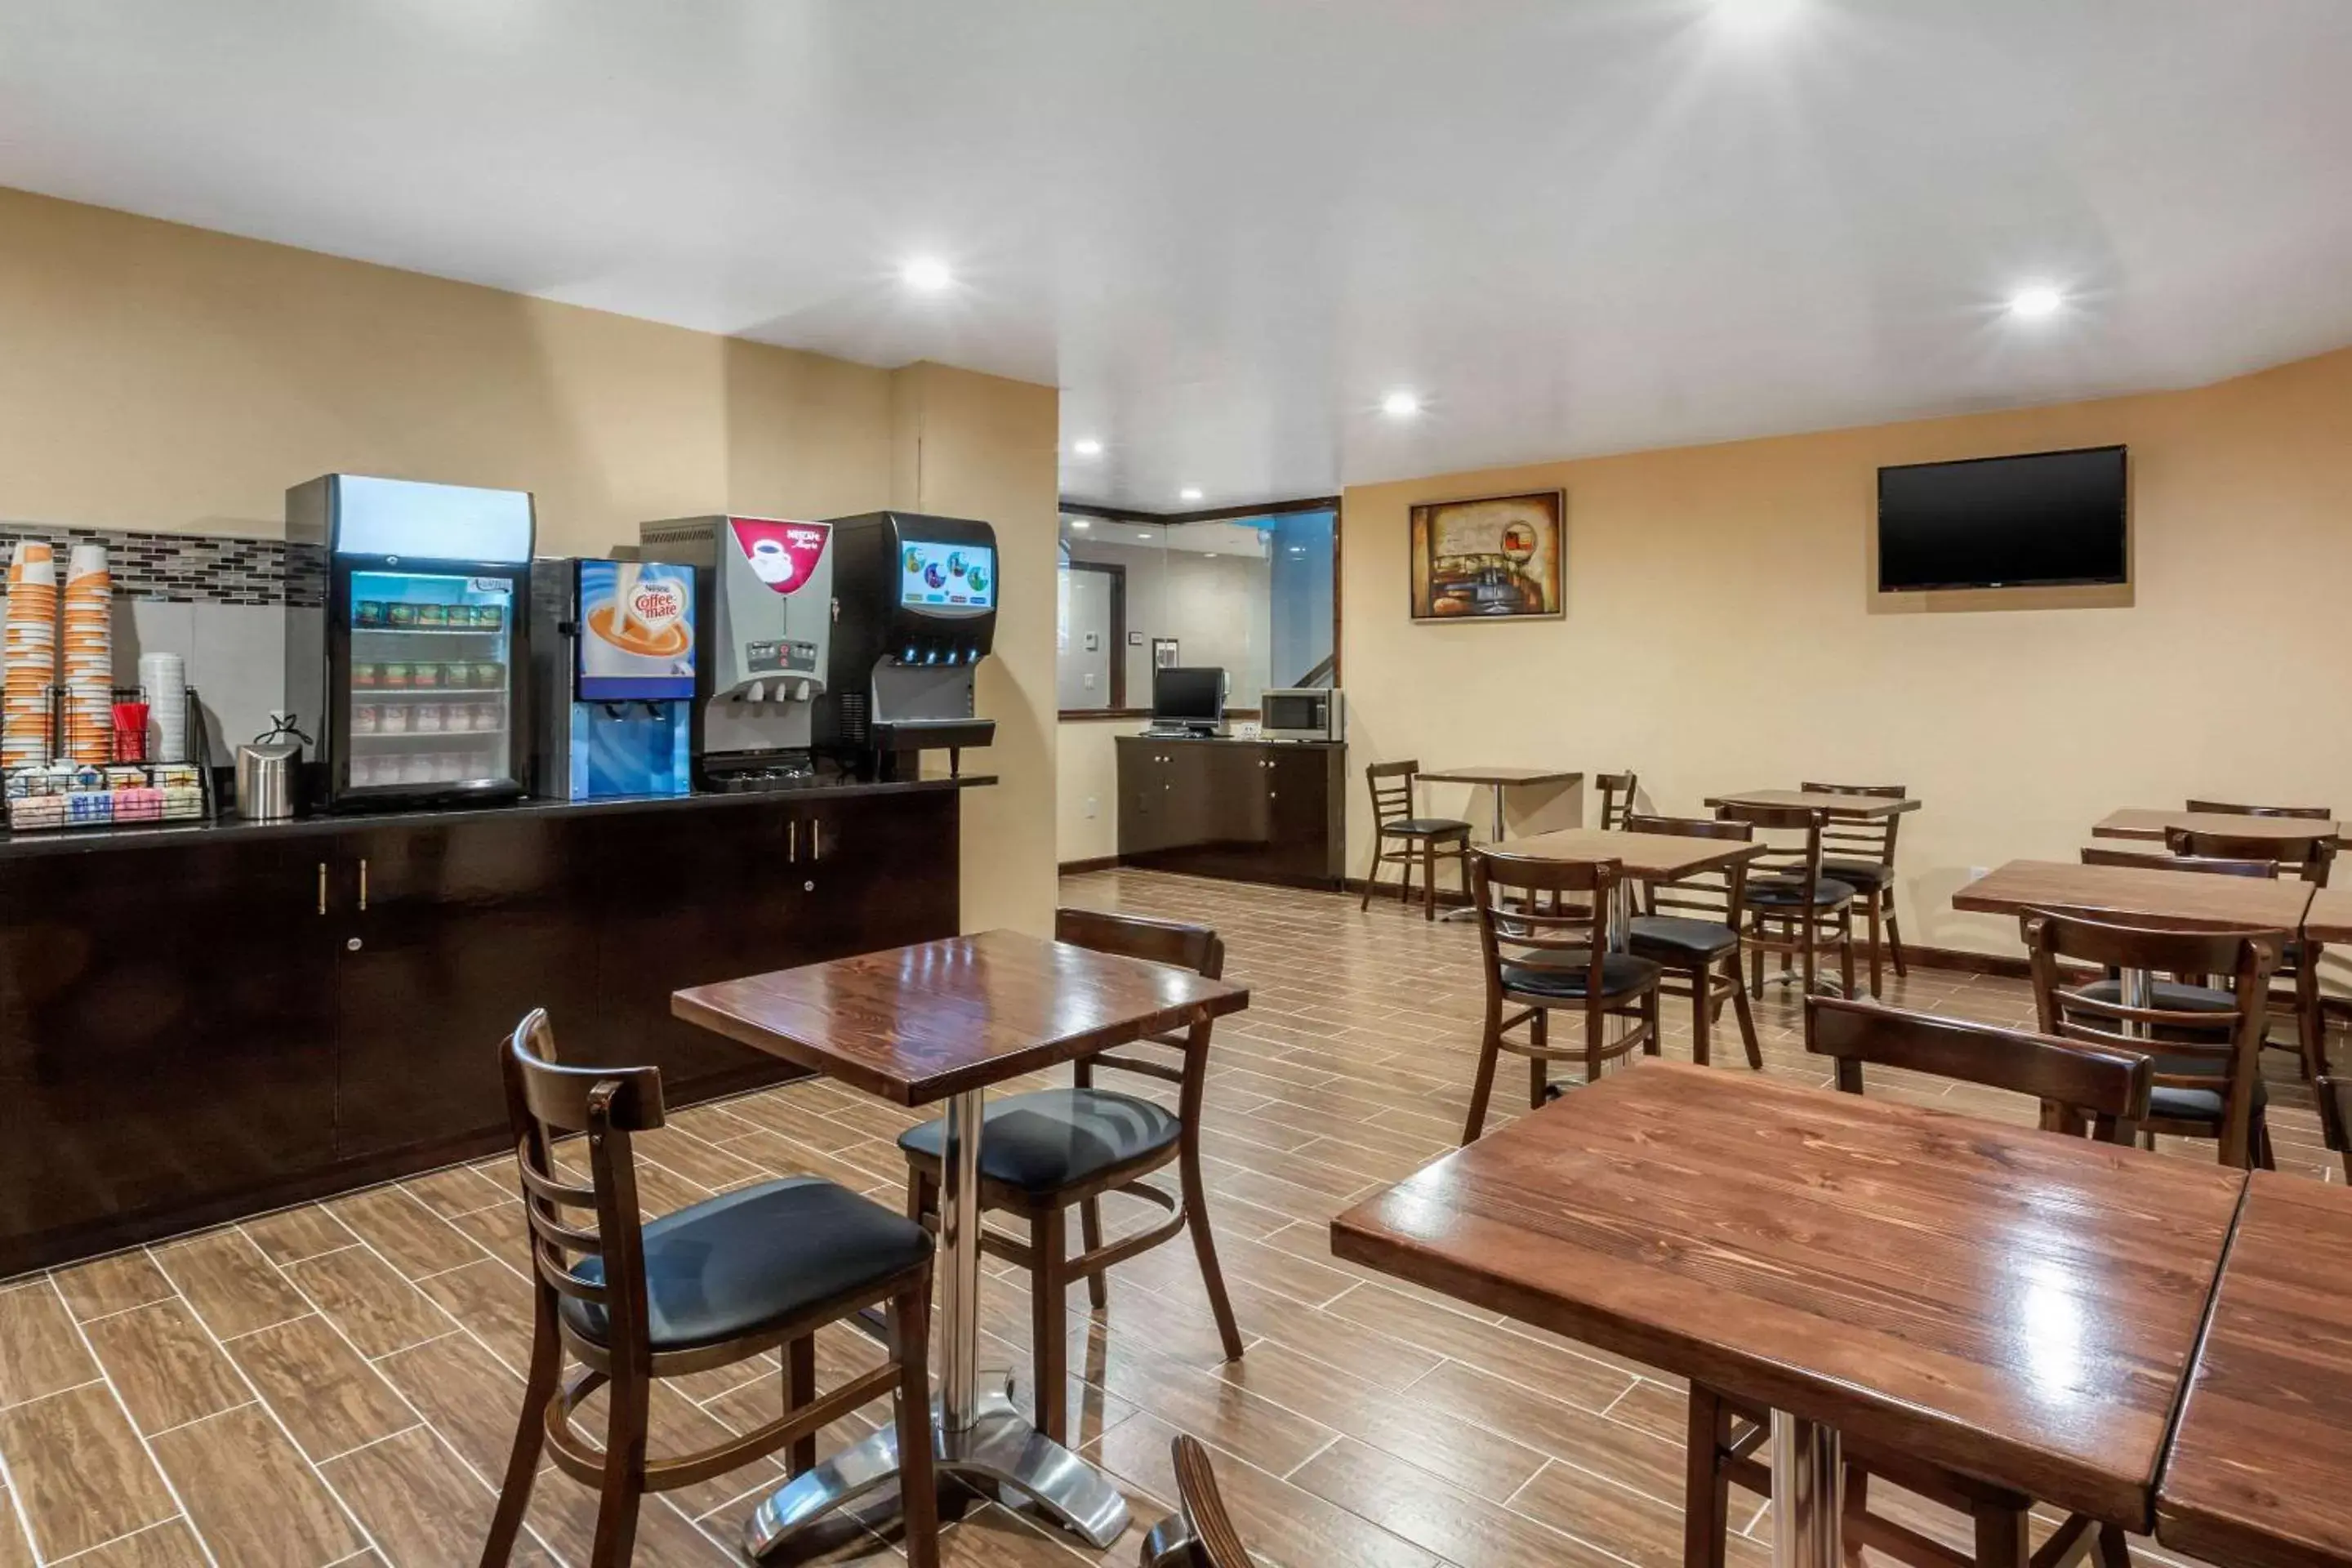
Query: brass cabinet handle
[792, 840]
[816, 842]
[363, 884]
[322, 887]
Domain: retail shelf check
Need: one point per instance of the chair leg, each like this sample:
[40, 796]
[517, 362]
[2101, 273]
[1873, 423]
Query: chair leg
[1429, 879]
[1090, 1238]
[1404, 875]
[624, 1471]
[918, 1492]
[1747, 1019]
[1702, 981]
[1596, 1034]
[1811, 946]
[2114, 1550]
[2001, 1538]
[1755, 964]
[1371, 874]
[800, 1389]
[1050, 1347]
[1481, 1086]
[1846, 950]
[1877, 930]
[1204, 1249]
[1463, 861]
[530, 1438]
[2259, 1141]
[1538, 1070]
[918, 1194]
[2310, 1019]
[1895, 939]
[1707, 1490]
[1851, 1512]
[1655, 1044]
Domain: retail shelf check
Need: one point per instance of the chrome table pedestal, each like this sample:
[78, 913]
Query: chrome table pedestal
[1808, 1490]
[976, 1433]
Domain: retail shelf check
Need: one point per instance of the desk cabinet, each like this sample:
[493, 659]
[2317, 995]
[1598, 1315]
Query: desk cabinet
[1258, 811]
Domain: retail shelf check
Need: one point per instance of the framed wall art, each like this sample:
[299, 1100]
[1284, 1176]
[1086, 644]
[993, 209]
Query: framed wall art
[1495, 558]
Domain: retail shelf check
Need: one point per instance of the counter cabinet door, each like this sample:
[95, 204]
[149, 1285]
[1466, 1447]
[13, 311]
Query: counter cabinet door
[1301, 825]
[874, 872]
[166, 1029]
[443, 937]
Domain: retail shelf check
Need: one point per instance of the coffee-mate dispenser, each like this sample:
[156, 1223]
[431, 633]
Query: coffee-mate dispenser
[917, 612]
[613, 653]
[764, 618]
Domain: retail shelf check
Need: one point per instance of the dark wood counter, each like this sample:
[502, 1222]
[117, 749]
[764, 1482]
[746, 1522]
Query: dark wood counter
[1259, 811]
[198, 1022]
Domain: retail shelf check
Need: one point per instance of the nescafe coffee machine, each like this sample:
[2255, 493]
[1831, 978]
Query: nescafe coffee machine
[914, 601]
[763, 624]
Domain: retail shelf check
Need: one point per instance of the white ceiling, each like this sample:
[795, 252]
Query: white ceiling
[1227, 228]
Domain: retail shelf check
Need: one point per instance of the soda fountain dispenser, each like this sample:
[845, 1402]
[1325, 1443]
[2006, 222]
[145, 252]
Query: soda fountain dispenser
[917, 612]
[764, 618]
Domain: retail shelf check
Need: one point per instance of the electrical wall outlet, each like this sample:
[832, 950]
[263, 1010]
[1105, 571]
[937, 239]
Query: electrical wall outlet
[1093, 804]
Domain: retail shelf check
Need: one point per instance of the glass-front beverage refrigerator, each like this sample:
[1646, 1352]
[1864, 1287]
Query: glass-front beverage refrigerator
[406, 612]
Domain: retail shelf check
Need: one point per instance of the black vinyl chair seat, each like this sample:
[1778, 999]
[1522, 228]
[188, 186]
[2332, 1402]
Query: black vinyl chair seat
[1564, 972]
[2168, 996]
[1054, 1138]
[1678, 941]
[2189, 1104]
[718, 1269]
[1424, 827]
[1768, 893]
[1869, 875]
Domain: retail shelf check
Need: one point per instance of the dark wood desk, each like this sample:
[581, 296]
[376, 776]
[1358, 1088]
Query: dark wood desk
[938, 1022]
[1846, 807]
[2143, 822]
[2261, 1468]
[1997, 1301]
[2179, 900]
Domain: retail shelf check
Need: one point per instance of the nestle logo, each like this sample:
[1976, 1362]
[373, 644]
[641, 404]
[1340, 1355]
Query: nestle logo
[805, 535]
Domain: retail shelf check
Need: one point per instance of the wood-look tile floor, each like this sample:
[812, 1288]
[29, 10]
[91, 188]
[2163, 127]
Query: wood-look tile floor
[336, 1383]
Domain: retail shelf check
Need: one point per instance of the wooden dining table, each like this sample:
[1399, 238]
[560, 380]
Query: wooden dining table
[2329, 918]
[1640, 856]
[2260, 1473]
[2175, 899]
[2153, 822]
[1500, 781]
[936, 1023]
[1990, 1300]
[1840, 807]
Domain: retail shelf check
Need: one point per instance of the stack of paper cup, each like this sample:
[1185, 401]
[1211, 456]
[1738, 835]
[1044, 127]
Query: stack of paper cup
[88, 663]
[30, 658]
[164, 675]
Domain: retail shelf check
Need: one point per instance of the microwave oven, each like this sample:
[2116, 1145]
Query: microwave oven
[1303, 713]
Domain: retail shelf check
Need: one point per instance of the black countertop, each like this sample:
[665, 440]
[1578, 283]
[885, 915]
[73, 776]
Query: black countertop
[131, 835]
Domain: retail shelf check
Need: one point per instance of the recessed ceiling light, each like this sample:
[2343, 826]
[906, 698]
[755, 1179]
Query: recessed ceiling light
[1188, 493]
[1756, 15]
[927, 273]
[1144, 535]
[1208, 555]
[1080, 523]
[2035, 302]
[1401, 405]
[1087, 447]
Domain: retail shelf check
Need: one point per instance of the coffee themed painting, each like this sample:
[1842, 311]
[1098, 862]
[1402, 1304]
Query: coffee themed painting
[1498, 557]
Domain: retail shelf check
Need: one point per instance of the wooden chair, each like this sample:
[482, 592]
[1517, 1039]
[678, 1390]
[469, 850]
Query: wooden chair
[2080, 1085]
[717, 1282]
[1691, 928]
[1052, 1150]
[2205, 1044]
[1201, 1535]
[1862, 856]
[1538, 957]
[2311, 857]
[1616, 797]
[2299, 813]
[2158, 861]
[1788, 892]
[1419, 839]
[2335, 1117]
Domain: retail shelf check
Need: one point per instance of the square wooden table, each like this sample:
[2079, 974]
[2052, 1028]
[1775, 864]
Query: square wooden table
[1500, 781]
[2260, 1470]
[1996, 1301]
[2145, 822]
[2329, 918]
[1844, 807]
[938, 1023]
[1642, 857]
[2195, 901]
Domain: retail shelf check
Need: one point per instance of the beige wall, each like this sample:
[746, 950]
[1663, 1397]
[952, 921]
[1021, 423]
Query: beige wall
[1086, 764]
[1720, 634]
[157, 376]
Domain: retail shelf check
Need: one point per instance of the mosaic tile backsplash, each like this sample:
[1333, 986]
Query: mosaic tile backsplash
[180, 568]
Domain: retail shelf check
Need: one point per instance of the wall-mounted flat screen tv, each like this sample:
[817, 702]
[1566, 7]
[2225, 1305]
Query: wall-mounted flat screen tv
[2047, 520]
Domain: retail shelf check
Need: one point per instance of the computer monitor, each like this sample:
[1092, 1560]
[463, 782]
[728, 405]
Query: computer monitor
[1188, 697]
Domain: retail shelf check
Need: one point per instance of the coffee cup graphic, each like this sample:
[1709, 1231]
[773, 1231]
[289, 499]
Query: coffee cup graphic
[770, 561]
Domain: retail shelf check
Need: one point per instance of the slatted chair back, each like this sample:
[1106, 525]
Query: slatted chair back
[1870, 840]
[1616, 797]
[1517, 928]
[546, 1103]
[1794, 852]
[2229, 809]
[2311, 856]
[2196, 1049]
[2078, 1083]
[1719, 896]
[2154, 860]
[1392, 785]
[1173, 942]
